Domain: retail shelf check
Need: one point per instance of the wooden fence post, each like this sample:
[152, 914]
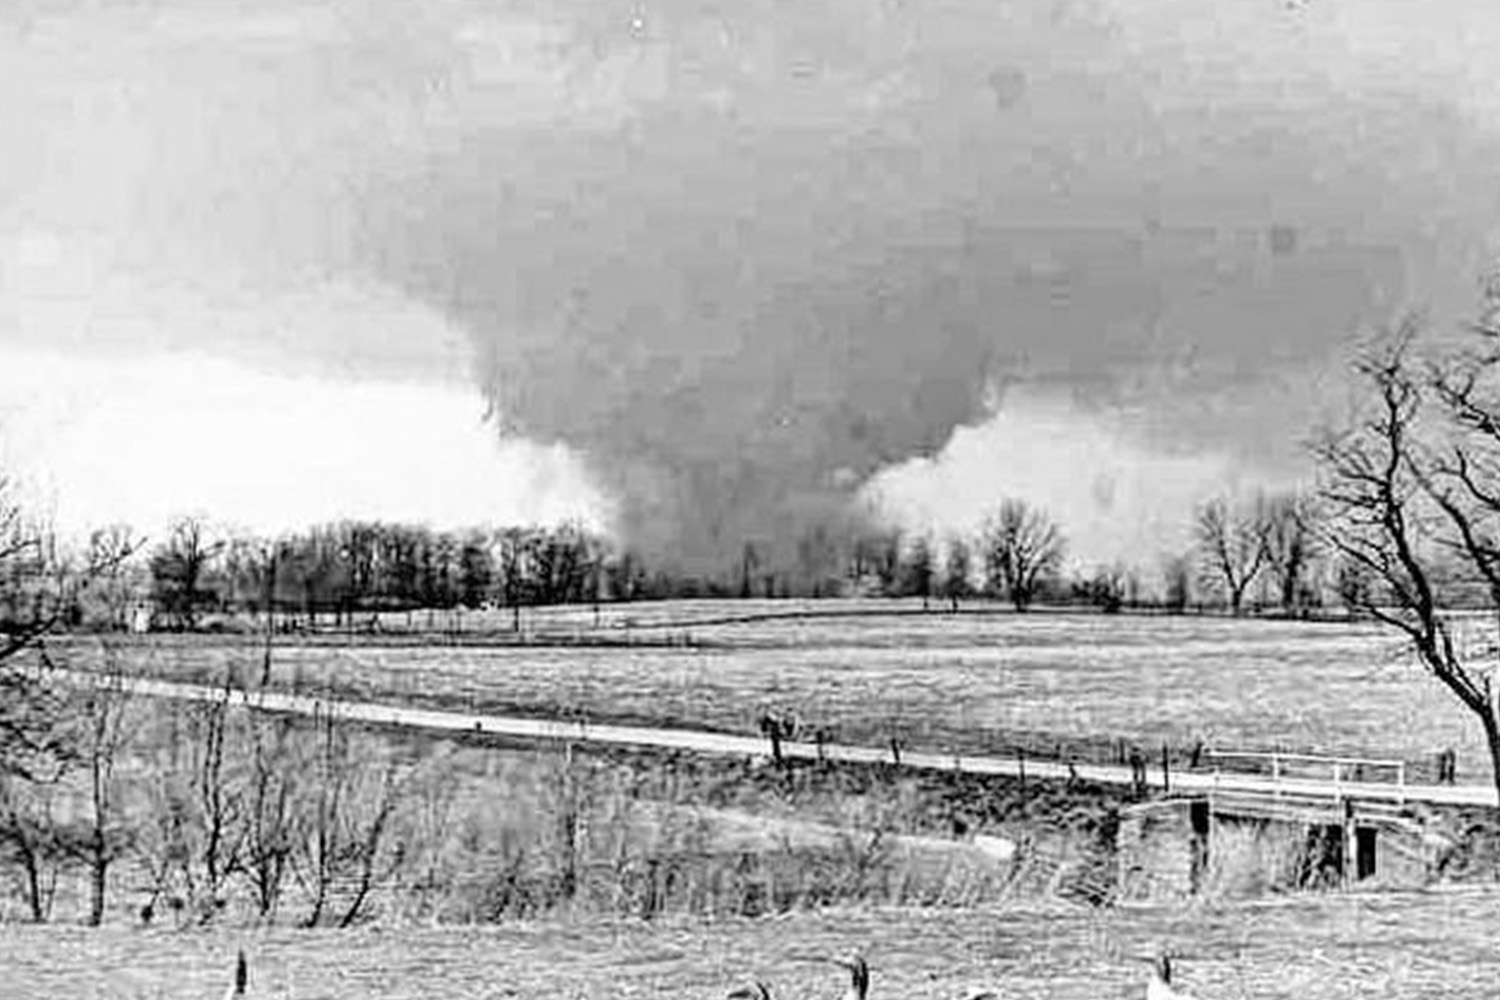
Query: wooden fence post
[1346, 873]
[1138, 772]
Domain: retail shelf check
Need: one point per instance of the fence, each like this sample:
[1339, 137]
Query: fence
[1289, 772]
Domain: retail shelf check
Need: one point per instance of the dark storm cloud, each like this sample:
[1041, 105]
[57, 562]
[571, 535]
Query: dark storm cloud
[745, 254]
[733, 304]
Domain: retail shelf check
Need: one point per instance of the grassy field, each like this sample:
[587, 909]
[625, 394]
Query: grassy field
[980, 682]
[1412, 946]
[973, 680]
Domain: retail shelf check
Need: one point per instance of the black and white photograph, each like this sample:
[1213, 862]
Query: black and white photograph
[773, 499]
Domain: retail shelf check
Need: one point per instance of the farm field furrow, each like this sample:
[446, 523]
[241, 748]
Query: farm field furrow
[981, 683]
[1418, 946]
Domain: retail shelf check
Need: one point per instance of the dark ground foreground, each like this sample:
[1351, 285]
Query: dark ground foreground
[1427, 945]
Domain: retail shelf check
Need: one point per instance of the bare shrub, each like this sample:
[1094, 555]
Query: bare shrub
[1251, 859]
[190, 827]
[270, 830]
[426, 825]
[343, 851]
[35, 755]
[101, 720]
[30, 840]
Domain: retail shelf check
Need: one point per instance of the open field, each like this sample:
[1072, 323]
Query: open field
[1430, 945]
[983, 683]
[675, 832]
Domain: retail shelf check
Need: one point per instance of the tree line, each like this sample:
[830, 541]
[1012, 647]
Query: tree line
[1267, 552]
[1270, 551]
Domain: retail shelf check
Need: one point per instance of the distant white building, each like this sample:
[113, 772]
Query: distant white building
[142, 615]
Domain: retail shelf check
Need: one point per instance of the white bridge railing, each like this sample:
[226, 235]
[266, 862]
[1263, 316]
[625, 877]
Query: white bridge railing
[1304, 774]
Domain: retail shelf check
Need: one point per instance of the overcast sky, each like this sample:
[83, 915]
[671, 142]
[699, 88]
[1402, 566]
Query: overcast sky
[719, 264]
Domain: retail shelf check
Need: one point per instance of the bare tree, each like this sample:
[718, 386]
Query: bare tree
[218, 805]
[251, 565]
[624, 576]
[1291, 532]
[36, 755]
[476, 571]
[316, 851]
[1232, 547]
[33, 743]
[347, 817]
[956, 569]
[162, 850]
[567, 794]
[36, 748]
[1177, 582]
[66, 579]
[179, 570]
[1022, 548]
[270, 824]
[1106, 588]
[38, 745]
[31, 608]
[110, 550]
[372, 857]
[1352, 581]
[190, 840]
[101, 713]
[1414, 486]
[887, 550]
[919, 570]
[427, 826]
[861, 557]
[515, 558]
[31, 840]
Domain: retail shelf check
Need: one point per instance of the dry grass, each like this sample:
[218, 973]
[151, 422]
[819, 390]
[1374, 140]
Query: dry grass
[991, 682]
[1411, 946]
[1250, 860]
[693, 844]
[489, 834]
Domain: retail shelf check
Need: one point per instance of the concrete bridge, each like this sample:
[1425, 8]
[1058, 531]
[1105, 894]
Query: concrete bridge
[1349, 818]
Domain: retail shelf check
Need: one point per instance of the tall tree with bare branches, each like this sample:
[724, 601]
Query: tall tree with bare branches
[179, 569]
[103, 729]
[919, 570]
[35, 595]
[347, 820]
[270, 829]
[1177, 581]
[1022, 548]
[1231, 547]
[1289, 521]
[956, 571]
[28, 615]
[110, 549]
[38, 745]
[31, 838]
[1413, 482]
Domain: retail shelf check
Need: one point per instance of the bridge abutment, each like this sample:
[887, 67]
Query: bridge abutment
[1185, 846]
